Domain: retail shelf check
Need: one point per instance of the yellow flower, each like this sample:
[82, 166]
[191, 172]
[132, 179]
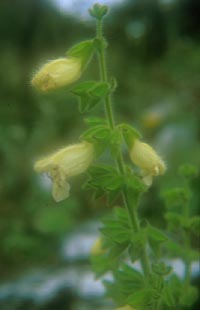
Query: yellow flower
[97, 247]
[57, 73]
[127, 307]
[65, 163]
[144, 156]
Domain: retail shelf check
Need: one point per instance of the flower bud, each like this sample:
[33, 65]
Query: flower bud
[127, 307]
[144, 156]
[57, 73]
[97, 247]
[67, 162]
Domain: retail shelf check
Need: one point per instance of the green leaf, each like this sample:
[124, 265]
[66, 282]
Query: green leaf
[126, 280]
[155, 237]
[177, 221]
[168, 297]
[188, 171]
[83, 50]
[95, 89]
[189, 296]
[105, 177]
[176, 197]
[195, 224]
[176, 250]
[156, 234]
[134, 183]
[141, 299]
[116, 228]
[96, 133]
[161, 269]
[129, 134]
[137, 244]
[102, 264]
[90, 94]
[171, 292]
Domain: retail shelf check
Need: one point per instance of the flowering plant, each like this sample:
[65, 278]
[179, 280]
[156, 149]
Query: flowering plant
[125, 237]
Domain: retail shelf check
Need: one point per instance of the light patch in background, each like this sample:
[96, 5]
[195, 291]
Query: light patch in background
[80, 7]
[135, 29]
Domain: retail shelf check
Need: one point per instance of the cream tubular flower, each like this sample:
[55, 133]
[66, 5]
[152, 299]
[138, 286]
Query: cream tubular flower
[127, 307]
[67, 162]
[97, 247]
[57, 73]
[144, 156]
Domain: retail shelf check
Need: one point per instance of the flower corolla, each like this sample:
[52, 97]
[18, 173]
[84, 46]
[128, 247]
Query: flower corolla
[57, 73]
[146, 158]
[97, 247]
[65, 163]
[126, 307]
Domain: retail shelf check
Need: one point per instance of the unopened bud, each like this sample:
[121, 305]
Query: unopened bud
[97, 247]
[127, 307]
[146, 158]
[57, 73]
[98, 10]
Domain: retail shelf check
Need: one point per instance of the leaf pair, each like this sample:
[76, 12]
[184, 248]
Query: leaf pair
[90, 93]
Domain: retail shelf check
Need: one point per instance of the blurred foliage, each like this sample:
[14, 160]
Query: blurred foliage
[154, 53]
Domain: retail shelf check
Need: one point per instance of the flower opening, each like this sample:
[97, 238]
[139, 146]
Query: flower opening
[65, 163]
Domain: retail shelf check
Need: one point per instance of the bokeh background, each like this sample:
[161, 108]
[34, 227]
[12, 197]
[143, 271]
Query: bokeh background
[154, 53]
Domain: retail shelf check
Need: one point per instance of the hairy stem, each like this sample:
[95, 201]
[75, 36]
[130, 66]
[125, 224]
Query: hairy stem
[133, 218]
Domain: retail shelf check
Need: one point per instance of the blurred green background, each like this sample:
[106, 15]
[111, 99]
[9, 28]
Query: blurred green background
[154, 52]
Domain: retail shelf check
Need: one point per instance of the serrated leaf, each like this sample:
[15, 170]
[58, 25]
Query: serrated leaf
[117, 229]
[83, 50]
[176, 197]
[155, 237]
[125, 281]
[168, 297]
[129, 134]
[136, 247]
[195, 224]
[188, 171]
[161, 269]
[156, 234]
[105, 177]
[189, 296]
[141, 299]
[135, 183]
[102, 264]
[90, 94]
[177, 221]
[92, 88]
[86, 103]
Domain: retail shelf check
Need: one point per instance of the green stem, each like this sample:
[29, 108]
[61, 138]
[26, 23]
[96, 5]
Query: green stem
[187, 246]
[187, 273]
[156, 305]
[133, 218]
